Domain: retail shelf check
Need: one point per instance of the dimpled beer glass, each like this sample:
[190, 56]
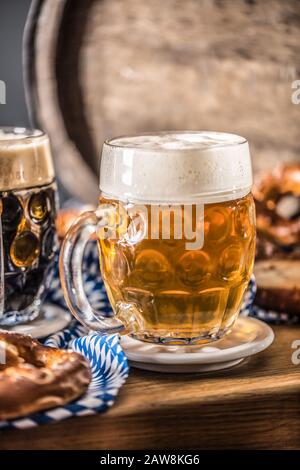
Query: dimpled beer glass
[176, 234]
[28, 209]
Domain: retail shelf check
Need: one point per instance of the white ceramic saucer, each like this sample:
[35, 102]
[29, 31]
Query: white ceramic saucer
[51, 319]
[249, 336]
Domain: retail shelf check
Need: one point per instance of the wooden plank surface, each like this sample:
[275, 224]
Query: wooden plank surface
[253, 405]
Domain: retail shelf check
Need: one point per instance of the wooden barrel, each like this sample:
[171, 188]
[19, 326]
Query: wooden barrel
[99, 68]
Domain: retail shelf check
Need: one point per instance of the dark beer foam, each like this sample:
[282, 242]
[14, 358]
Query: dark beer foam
[25, 159]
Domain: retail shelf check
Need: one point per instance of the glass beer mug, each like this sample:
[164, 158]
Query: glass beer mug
[28, 209]
[176, 234]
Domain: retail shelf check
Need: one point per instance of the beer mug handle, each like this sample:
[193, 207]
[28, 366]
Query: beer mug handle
[70, 268]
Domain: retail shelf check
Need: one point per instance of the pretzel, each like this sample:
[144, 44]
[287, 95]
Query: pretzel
[279, 229]
[34, 377]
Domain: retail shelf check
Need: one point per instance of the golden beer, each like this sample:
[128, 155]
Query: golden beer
[175, 292]
[176, 233]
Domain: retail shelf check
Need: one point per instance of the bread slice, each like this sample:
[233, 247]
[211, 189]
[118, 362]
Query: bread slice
[278, 285]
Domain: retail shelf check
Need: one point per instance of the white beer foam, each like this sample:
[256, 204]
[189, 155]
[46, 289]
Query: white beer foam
[176, 167]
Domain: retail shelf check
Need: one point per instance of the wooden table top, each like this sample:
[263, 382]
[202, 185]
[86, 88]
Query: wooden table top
[253, 405]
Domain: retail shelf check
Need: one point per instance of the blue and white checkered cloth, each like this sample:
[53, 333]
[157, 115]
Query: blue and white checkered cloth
[108, 361]
[109, 372]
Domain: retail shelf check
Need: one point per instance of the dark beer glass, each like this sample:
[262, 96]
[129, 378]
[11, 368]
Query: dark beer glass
[28, 209]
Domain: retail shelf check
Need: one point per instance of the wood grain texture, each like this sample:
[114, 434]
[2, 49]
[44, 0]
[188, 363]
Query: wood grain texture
[99, 68]
[255, 405]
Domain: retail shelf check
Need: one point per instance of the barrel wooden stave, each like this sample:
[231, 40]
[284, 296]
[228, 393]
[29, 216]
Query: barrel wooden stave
[99, 68]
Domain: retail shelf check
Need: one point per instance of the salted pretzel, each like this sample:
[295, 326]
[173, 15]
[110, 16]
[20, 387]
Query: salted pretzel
[34, 377]
[277, 267]
[280, 227]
